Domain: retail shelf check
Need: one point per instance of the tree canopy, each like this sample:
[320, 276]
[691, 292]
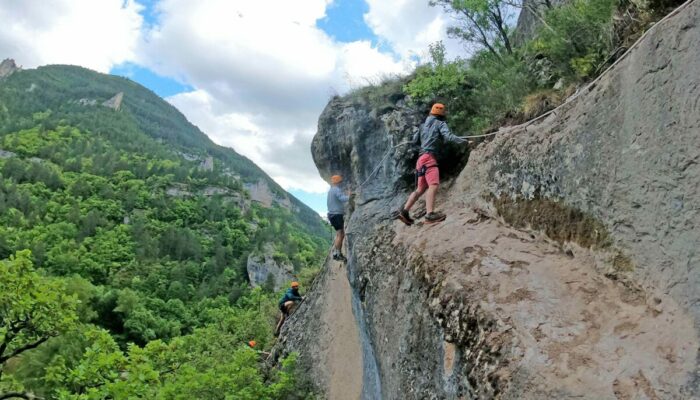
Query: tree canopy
[123, 258]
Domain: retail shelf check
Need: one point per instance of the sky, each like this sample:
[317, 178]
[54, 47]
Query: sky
[252, 75]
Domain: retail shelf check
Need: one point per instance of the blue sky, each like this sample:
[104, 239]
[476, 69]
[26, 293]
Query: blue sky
[345, 21]
[161, 85]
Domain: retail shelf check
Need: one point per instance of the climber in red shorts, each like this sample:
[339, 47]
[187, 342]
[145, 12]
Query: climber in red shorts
[430, 137]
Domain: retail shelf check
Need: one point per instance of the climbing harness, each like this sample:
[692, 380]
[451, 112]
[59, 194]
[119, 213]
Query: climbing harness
[524, 125]
[423, 170]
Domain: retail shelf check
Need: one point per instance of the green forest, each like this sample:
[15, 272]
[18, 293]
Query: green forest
[112, 283]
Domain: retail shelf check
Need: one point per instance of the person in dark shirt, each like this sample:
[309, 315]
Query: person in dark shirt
[287, 304]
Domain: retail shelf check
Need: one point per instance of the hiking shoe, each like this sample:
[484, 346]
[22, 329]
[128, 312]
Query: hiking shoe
[434, 217]
[404, 217]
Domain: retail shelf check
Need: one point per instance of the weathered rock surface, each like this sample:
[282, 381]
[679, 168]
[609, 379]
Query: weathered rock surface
[7, 67]
[627, 153]
[87, 102]
[7, 154]
[325, 334]
[261, 266]
[115, 102]
[260, 192]
[485, 305]
[207, 164]
[179, 190]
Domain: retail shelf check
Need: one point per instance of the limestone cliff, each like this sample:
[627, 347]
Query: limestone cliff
[263, 268]
[568, 264]
[7, 67]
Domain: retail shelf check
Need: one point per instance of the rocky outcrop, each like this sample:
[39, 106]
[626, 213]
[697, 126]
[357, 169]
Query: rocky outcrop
[530, 18]
[7, 154]
[567, 266]
[207, 164]
[87, 102]
[261, 193]
[262, 267]
[115, 102]
[7, 67]
[179, 190]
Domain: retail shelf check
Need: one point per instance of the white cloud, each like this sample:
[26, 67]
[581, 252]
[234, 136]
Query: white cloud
[409, 26]
[283, 154]
[91, 33]
[263, 73]
[262, 70]
[362, 64]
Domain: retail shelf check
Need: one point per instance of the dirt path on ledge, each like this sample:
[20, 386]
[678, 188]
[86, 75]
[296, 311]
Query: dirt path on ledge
[344, 355]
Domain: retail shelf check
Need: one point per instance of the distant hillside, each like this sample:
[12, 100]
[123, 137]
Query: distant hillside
[127, 241]
[76, 95]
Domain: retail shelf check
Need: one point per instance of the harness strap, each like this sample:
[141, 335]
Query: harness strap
[423, 169]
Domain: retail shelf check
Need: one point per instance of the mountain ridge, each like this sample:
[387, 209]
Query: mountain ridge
[88, 89]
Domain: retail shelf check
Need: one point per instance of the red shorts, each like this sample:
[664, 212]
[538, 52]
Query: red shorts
[432, 174]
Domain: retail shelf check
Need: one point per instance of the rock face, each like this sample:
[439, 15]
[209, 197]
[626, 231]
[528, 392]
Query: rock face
[261, 266]
[626, 153]
[6, 154]
[567, 267]
[530, 16]
[207, 164]
[337, 358]
[7, 67]
[260, 192]
[355, 136]
[115, 102]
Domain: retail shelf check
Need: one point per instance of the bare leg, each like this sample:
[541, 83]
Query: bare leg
[339, 237]
[290, 306]
[279, 325]
[430, 198]
[413, 198]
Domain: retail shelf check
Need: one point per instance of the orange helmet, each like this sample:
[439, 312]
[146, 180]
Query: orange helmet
[336, 179]
[252, 343]
[438, 109]
[295, 284]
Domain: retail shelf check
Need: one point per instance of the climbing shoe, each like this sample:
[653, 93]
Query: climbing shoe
[339, 257]
[434, 217]
[404, 217]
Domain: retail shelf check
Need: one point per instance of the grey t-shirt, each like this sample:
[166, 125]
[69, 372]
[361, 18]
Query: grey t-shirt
[336, 201]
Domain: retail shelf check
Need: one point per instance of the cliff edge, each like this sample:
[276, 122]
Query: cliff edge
[568, 264]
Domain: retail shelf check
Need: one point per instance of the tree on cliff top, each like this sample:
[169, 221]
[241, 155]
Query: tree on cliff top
[481, 22]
